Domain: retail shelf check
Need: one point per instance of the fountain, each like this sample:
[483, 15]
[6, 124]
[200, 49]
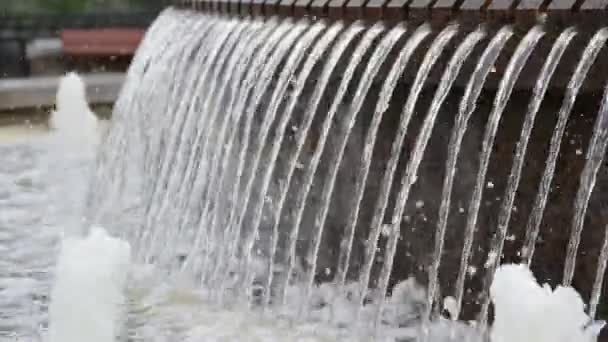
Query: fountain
[287, 155]
[87, 300]
[73, 118]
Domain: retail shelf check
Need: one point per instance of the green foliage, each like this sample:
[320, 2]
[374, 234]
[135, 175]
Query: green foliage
[66, 6]
[78, 6]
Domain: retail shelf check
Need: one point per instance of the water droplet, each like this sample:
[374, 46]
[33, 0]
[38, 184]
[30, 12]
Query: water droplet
[492, 256]
[451, 306]
[386, 230]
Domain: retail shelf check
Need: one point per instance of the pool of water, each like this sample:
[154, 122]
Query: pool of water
[43, 181]
[43, 185]
[29, 227]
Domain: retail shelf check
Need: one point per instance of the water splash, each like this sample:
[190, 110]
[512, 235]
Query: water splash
[88, 297]
[73, 119]
[525, 311]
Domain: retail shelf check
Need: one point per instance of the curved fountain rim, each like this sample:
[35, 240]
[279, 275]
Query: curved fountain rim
[551, 13]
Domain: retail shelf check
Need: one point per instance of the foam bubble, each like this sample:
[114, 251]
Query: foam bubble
[527, 312]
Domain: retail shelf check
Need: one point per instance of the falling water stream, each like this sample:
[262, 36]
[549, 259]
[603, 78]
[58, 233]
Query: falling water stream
[370, 72]
[382, 105]
[466, 109]
[387, 180]
[516, 64]
[588, 57]
[248, 130]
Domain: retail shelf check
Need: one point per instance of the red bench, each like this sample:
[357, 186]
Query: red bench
[113, 42]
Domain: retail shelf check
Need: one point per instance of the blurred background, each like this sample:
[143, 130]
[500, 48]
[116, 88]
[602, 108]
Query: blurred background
[75, 6]
[41, 40]
[49, 36]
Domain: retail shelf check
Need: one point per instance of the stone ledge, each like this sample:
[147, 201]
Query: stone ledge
[19, 93]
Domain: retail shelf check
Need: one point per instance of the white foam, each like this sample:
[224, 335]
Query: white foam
[87, 301]
[73, 117]
[527, 312]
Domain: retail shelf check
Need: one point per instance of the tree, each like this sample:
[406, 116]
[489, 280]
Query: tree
[66, 6]
[79, 6]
